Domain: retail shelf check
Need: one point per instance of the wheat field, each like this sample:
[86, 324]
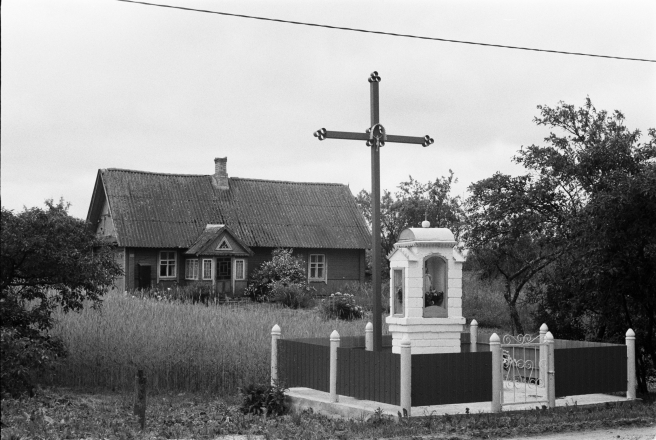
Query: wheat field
[181, 347]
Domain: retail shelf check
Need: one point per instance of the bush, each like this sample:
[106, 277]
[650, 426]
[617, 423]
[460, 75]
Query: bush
[264, 399]
[294, 296]
[24, 358]
[341, 306]
[283, 268]
[49, 260]
[364, 296]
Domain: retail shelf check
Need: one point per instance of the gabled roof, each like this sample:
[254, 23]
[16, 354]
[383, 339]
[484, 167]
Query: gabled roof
[218, 240]
[172, 210]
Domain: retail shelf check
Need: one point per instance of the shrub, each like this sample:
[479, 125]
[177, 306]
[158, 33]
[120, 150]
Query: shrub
[24, 358]
[364, 296]
[341, 306]
[294, 296]
[48, 260]
[264, 399]
[283, 267]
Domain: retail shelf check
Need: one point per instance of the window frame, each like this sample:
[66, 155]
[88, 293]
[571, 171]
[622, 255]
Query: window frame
[197, 267]
[202, 269]
[235, 272]
[317, 265]
[173, 265]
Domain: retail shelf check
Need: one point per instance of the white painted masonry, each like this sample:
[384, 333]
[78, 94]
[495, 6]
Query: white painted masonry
[426, 257]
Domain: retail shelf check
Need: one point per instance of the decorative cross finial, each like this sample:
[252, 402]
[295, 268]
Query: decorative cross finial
[374, 77]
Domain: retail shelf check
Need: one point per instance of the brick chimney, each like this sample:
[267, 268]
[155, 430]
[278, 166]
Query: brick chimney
[220, 177]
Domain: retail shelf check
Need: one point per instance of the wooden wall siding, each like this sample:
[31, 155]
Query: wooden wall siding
[304, 365]
[590, 370]
[344, 265]
[443, 378]
[369, 375]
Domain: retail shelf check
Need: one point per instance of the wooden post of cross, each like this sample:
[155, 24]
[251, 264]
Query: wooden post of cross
[376, 137]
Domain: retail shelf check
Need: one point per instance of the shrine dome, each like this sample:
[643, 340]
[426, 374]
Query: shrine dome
[426, 235]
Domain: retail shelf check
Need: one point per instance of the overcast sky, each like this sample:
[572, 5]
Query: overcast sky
[105, 84]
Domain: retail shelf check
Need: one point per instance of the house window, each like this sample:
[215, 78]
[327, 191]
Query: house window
[167, 264]
[207, 269]
[240, 269]
[317, 270]
[191, 269]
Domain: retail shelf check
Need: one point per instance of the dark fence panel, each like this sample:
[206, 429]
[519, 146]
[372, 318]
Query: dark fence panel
[590, 370]
[443, 378]
[302, 364]
[369, 375]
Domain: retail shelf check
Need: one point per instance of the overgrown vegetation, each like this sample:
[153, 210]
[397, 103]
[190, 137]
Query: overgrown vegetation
[61, 413]
[181, 347]
[283, 270]
[577, 232]
[264, 399]
[341, 306]
[49, 261]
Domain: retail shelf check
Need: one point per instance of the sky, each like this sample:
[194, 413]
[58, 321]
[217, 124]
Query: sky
[99, 84]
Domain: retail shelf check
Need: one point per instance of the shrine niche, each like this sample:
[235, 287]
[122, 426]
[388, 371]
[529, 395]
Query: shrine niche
[435, 287]
[426, 291]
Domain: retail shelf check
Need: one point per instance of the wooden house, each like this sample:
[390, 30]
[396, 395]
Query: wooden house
[177, 229]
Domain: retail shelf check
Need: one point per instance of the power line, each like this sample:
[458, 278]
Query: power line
[385, 33]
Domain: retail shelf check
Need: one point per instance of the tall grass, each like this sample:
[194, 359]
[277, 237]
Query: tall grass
[193, 347]
[181, 347]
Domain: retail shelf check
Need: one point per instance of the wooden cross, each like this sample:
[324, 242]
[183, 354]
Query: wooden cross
[376, 137]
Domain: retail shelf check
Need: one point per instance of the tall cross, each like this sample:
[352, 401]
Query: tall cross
[376, 137]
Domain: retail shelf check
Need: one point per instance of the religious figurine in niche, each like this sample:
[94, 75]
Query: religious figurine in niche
[433, 299]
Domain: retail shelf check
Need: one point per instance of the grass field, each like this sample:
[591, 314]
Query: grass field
[181, 347]
[192, 347]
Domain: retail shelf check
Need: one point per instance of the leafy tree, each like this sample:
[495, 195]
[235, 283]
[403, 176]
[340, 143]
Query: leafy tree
[580, 224]
[410, 205]
[516, 229]
[49, 260]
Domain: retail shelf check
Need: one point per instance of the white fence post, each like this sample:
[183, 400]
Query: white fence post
[275, 335]
[551, 373]
[406, 374]
[369, 337]
[630, 365]
[473, 335]
[334, 345]
[543, 365]
[497, 377]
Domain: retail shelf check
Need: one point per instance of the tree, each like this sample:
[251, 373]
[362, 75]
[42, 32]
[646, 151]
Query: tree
[49, 260]
[516, 229]
[607, 283]
[410, 205]
[582, 223]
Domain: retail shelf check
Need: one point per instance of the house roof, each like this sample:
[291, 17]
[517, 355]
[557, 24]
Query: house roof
[172, 210]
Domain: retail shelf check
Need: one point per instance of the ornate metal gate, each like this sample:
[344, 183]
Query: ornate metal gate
[525, 370]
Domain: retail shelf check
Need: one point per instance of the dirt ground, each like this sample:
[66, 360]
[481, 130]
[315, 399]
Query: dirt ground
[642, 433]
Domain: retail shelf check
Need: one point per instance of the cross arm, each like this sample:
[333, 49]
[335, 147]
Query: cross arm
[425, 141]
[327, 134]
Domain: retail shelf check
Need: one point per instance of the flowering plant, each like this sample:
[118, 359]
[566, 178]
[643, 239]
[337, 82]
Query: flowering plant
[341, 306]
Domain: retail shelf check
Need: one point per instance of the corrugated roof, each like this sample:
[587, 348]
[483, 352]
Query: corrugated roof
[172, 210]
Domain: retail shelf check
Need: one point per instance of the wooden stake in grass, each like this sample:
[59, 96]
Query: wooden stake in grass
[140, 398]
